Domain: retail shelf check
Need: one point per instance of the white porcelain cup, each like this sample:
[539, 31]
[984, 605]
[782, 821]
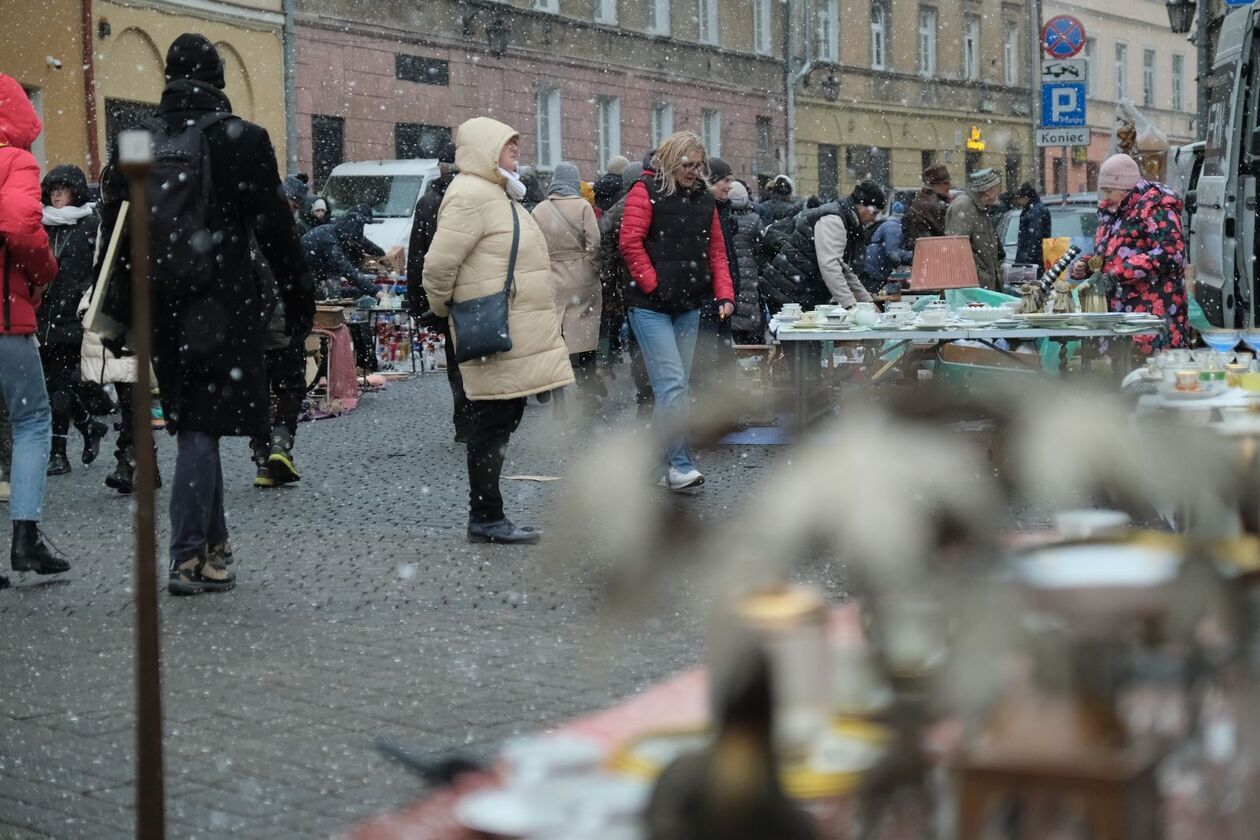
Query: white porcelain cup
[933, 317]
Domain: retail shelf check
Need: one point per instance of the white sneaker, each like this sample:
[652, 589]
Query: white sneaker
[679, 481]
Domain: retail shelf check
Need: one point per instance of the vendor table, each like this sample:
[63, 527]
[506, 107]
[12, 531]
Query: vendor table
[805, 347]
[403, 320]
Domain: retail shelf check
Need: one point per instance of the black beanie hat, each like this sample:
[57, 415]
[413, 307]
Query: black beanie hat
[869, 194]
[192, 56]
[718, 169]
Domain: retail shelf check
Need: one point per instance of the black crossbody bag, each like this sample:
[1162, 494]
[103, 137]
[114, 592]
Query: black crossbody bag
[481, 324]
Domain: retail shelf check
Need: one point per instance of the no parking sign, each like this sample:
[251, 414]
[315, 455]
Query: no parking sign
[1063, 36]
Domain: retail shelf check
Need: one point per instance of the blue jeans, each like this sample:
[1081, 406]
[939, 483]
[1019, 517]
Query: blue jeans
[196, 508]
[668, 343]
[24, 394]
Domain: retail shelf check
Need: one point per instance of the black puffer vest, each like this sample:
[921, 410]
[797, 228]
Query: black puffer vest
[793, 275]
[678, 245]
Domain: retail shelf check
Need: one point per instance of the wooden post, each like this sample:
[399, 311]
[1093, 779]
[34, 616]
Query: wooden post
[135, 154]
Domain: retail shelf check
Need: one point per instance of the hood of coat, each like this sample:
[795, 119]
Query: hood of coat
[1142, 202]
[66, 175]
[19, 124]
[478, 144]
[349, 230]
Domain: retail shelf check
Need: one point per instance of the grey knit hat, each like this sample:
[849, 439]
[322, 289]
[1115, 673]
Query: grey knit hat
[983, 180]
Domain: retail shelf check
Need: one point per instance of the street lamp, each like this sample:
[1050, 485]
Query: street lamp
[831, 88]
[1180, 15]
[498, 31]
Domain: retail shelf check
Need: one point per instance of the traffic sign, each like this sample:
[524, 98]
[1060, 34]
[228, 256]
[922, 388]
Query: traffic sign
[1063, 36]
[1238, 2]
[1065, 70]
[1063, 137]
[1062, 104]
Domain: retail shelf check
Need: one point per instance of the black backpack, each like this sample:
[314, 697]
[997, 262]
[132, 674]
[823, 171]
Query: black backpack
[181, 198]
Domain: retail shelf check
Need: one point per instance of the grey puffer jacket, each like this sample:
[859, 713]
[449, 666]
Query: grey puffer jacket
[747, 242]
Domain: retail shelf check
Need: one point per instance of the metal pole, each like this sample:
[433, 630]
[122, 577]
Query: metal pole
[1204, 21]
[290, 91]
[1034, 80]
[1064, 152]
[135, 156]
[789, 89]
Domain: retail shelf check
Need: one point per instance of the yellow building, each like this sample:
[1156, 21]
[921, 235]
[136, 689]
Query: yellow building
[121, 77]
[946, 82]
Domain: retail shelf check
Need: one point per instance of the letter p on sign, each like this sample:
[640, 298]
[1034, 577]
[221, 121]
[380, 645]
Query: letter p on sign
[1062, 104]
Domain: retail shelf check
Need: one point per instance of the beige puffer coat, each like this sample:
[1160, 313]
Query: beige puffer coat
[468, 258]
[572, 232]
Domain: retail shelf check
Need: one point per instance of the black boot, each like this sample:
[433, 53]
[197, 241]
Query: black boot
[280, 459]
[29, 554]
[93, 432]
[123, 476]
[502, 532]
[58, 463]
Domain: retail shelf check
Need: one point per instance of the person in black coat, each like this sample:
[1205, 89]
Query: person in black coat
[422, 230]
[209, 341]
[1034, 226]
[71, 222]
[332, 252]
[780, 204]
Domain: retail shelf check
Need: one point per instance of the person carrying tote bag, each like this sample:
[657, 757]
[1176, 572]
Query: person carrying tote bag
[480, 229]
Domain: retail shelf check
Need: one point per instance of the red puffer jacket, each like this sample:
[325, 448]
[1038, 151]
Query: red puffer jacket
[27, 265]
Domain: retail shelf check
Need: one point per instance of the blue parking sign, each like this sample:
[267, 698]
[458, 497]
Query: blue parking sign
[1062, 104]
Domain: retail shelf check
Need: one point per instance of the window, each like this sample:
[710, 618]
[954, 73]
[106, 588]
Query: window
[828, 172]
[548, 128]
[608, 113]
[1148, 77]
[971, 49]
[711, 132]
[1091, 66]
[765, 162]
[828, 30]
[658, 17]
[868, 163]
[662, 122]
[879, 35]
[1091, 176]
[547, 5]
[1122, 71]
[1178, 82]
[761, 27]
[927, 41]
[425, 71]
[38, 150]
[1060, 175]
[606, 11]
[1010, 56]
[413, 141]
[327, 147]
[707, 18]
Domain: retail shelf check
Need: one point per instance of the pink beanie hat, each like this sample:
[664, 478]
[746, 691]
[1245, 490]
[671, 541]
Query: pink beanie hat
[1119, 172]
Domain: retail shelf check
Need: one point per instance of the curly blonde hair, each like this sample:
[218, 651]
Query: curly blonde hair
[679, 148]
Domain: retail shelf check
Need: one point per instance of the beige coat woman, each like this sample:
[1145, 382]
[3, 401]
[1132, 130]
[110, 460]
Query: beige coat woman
[468, 258]
[572, 233]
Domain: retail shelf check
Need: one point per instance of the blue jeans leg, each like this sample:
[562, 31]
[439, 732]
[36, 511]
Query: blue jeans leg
[196, 506]
[24, 393]
[668, 343]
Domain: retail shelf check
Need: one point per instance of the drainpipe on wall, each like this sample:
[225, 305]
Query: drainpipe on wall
[89, 92]
[290, 92]
[1034, 82]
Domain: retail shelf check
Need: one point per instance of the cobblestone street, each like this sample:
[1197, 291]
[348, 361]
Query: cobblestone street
[361, 612]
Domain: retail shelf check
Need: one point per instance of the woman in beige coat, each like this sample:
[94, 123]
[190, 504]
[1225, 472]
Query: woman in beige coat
[468, 258]
[568, 222]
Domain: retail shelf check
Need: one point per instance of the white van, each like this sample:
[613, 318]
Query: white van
[389, 187]
[1223, 199]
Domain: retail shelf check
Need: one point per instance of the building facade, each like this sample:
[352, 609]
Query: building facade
[112, 53]
[1134, 55]
[914, 83]
[581, 80]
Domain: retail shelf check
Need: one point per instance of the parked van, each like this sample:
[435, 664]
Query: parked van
[389, 187]
[1222, 202]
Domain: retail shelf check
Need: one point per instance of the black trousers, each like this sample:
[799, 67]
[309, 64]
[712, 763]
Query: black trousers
[286, 380]
[126, 404]
[460, 414]
[61, 373]
[490, 426]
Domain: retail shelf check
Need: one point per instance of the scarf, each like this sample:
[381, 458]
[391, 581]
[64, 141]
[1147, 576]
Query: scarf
[515, 186]
[69, 215]
[562, 189]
